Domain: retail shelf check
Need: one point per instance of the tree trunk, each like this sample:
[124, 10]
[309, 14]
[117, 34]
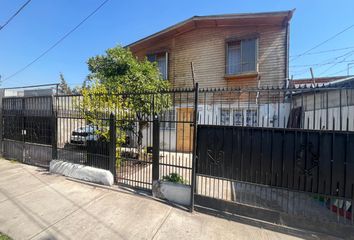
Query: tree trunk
[140, 139]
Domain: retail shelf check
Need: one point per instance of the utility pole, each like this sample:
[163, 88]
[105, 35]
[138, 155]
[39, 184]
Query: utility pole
[348, 68]
[312, 76]
[192, 69]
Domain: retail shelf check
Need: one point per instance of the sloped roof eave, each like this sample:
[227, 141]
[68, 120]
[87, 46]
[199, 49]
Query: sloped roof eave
[286, 14]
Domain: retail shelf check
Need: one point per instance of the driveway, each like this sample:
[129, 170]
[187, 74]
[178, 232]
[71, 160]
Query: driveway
[37, 205]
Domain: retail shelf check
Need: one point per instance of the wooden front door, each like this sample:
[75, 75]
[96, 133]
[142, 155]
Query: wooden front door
[184, 129]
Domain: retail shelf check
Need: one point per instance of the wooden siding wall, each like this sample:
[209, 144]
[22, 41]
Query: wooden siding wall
[205, 47]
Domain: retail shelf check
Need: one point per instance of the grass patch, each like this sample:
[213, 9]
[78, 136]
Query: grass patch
[4, 237]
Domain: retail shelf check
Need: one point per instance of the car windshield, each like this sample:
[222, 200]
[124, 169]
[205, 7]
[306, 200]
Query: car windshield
[81, 134]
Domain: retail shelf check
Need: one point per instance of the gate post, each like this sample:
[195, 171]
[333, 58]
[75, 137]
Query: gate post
[1, 124]
[194, 157]
[112, 145]
[54, 133]
[156, 149]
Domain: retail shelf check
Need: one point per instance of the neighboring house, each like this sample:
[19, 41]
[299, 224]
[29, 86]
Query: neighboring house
[330, 109]
[230, 50]
[320, 81]
[8, 92]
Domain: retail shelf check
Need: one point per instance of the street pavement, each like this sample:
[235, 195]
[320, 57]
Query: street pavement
[35, 204]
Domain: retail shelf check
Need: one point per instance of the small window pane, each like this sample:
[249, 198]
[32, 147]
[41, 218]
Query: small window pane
[161, 64]
[237, 117]
[248, 55]
[251, 118]
[224, 116]
[161, 61]
[151, 57]
[234, 58]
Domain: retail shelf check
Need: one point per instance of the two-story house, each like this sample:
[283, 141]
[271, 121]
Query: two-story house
[218, 51]
[228, 50]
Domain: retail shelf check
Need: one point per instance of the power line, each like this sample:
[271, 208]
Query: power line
[325, 51]
[57, 42]
[331, 74]
[325, 62]
[325, 41]
[15, 14]
[319, 64]
[335, 64]
[343, 70]
[300, 73]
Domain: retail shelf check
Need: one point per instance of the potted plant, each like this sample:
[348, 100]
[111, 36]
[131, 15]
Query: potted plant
[173, 188]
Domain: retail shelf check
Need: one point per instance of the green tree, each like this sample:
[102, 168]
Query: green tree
[76, 90]
[116, 73]
[63, 86]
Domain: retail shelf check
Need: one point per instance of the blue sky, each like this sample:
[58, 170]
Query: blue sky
[43, 22]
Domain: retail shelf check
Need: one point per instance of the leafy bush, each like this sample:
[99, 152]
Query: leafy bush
[174, 177]
[4, 237]
[114, 75]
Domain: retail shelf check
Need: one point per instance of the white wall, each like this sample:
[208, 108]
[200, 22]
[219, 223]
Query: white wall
[322, 109]
[262, 115]
[330, 119]
[267, 115]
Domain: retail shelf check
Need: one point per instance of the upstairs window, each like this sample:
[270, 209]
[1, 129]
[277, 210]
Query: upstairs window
[241, 56]
[162, 62]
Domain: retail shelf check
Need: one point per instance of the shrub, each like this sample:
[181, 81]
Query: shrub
[4, 237]
[174, 177]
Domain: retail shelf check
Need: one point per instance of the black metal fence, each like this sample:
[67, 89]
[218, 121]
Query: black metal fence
[316, 108]
[158, 138]
[289, 151]
[285, 150]
[150, 127]
[78, 140]
[302, 160]
[27, 129]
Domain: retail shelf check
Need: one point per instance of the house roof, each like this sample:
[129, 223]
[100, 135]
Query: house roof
[342, 82]
[242, 19]
[319, 80]
[325, 81]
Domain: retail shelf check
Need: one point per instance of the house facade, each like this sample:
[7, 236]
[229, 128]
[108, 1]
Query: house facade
[233, 50]
[220, 51]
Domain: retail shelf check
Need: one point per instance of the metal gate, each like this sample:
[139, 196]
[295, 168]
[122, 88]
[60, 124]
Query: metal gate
[159, 142]
[280, 155]
[155, 138]
[78, 140]
[27, 129]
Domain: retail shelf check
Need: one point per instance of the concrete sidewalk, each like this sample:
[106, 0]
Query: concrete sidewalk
[37, 205]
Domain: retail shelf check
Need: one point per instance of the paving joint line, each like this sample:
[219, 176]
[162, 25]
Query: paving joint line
[162, 223]
[71, 213]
